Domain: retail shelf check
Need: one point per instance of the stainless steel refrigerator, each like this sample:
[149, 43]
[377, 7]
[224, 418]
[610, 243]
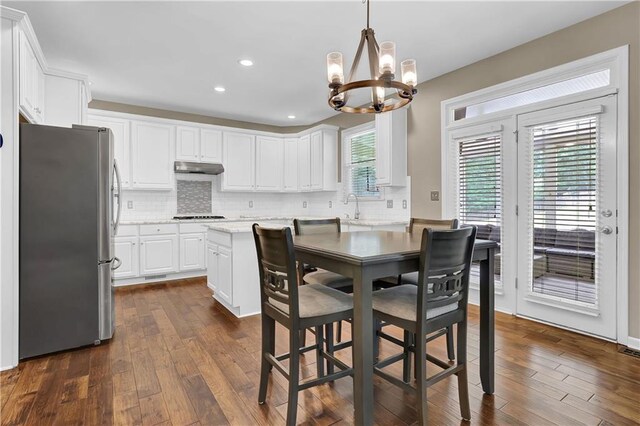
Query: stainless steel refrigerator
[69, 213]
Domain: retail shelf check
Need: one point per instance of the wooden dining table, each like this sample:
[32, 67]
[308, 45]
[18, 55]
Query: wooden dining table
[371, 255]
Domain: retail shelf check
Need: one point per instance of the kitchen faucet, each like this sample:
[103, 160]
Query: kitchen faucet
[346, 201]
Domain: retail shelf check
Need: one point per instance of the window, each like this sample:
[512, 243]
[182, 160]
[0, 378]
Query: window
[359, 153]
[479, 179]
[556, 90]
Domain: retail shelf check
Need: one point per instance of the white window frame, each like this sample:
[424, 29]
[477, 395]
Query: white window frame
[617, 61]
[347, 135]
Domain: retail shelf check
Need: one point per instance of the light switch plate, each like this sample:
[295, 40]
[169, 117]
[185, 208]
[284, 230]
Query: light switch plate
[389, 204]
[129, 204]
[304, 204]
[435, 195]
[404, 204]
[251, 204]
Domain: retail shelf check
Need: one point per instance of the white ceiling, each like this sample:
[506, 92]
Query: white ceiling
[170, 55]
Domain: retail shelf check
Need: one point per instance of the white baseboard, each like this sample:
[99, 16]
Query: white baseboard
[633, 343]
[157, 279]
[7, 367]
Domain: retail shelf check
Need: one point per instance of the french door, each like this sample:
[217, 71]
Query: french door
[566, 225]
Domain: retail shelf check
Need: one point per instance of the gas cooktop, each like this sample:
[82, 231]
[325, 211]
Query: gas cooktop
[197, 217]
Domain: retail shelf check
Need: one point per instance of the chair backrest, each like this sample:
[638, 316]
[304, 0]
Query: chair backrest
[316, 226]
[445, 265]
[277, 267]
[417, 225]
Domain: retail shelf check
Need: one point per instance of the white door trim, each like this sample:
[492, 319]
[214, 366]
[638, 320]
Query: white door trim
[617, 61]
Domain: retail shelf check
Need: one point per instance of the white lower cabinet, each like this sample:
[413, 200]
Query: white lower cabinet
[219, 272]
[192, 256]
[225, 275]
[158, 254]
[127, 252]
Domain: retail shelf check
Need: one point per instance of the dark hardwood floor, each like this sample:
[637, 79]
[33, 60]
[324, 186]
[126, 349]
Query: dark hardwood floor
[178, 358]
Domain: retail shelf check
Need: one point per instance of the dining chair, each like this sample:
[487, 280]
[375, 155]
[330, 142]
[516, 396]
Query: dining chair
[296, 308]
[313, 275]
[439, 300]
[416, 226]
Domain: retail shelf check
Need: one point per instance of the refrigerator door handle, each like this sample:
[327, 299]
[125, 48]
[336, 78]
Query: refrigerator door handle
[117, 195]
[116, 263]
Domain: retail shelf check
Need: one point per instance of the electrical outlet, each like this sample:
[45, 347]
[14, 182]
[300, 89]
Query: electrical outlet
[404, 204]
[330, 204]
[304, 204]
[389, 204]
[251, 204]
[129, 204]
[435, 195]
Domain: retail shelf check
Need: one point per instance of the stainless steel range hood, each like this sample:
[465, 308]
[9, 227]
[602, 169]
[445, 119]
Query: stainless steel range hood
[198, 168]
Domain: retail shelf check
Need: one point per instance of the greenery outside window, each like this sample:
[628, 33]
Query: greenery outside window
[359, 154]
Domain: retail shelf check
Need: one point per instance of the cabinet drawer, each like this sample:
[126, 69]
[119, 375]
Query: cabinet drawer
[190, 228]
[221, 238]
[127, 231]
[160, 229]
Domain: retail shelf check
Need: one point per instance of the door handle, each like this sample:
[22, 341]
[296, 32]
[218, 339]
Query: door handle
[116, 225]
[606, 230]
[115, 266]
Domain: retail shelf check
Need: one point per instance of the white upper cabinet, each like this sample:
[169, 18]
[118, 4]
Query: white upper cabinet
[391, 148]
[187, 143]
[32, 82]
[210, 146]
[121, 144]
[153, 146]
[290, 181]
[269, 163]
[65, 100]
[316, 161]
[304, 163]
[198, 144]
[239, 162]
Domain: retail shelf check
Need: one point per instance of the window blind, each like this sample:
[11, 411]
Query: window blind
[361, 166]
[564, 178]
[479, 178]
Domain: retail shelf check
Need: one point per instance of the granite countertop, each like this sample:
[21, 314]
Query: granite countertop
[243, 224]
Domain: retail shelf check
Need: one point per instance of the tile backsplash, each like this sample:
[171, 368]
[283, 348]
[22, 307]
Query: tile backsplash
[193, 196]
[149, 205]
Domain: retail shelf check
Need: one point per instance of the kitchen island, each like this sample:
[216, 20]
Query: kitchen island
[232, 264]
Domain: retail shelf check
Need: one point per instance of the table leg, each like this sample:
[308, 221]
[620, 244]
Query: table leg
[487, 318]
[362, 348]
[487, 322]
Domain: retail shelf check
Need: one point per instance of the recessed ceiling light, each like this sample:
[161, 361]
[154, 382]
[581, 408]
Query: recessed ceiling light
[291, 116]
[245, 62]
[219, 89]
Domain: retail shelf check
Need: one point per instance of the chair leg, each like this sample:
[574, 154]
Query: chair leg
[303, 338]
[339, 332]
[319, 349]
[421, 380]
[451, 354]
[377, 326]
[329, 346]
[294, 377]
[463, 382]
[406, 362]
[268, 346]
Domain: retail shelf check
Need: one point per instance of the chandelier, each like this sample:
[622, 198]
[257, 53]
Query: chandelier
[382, 67]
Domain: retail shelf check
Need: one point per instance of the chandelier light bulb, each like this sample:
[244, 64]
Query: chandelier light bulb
[409, 72]
[335, 70]
[380, 92]
[387, 57]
